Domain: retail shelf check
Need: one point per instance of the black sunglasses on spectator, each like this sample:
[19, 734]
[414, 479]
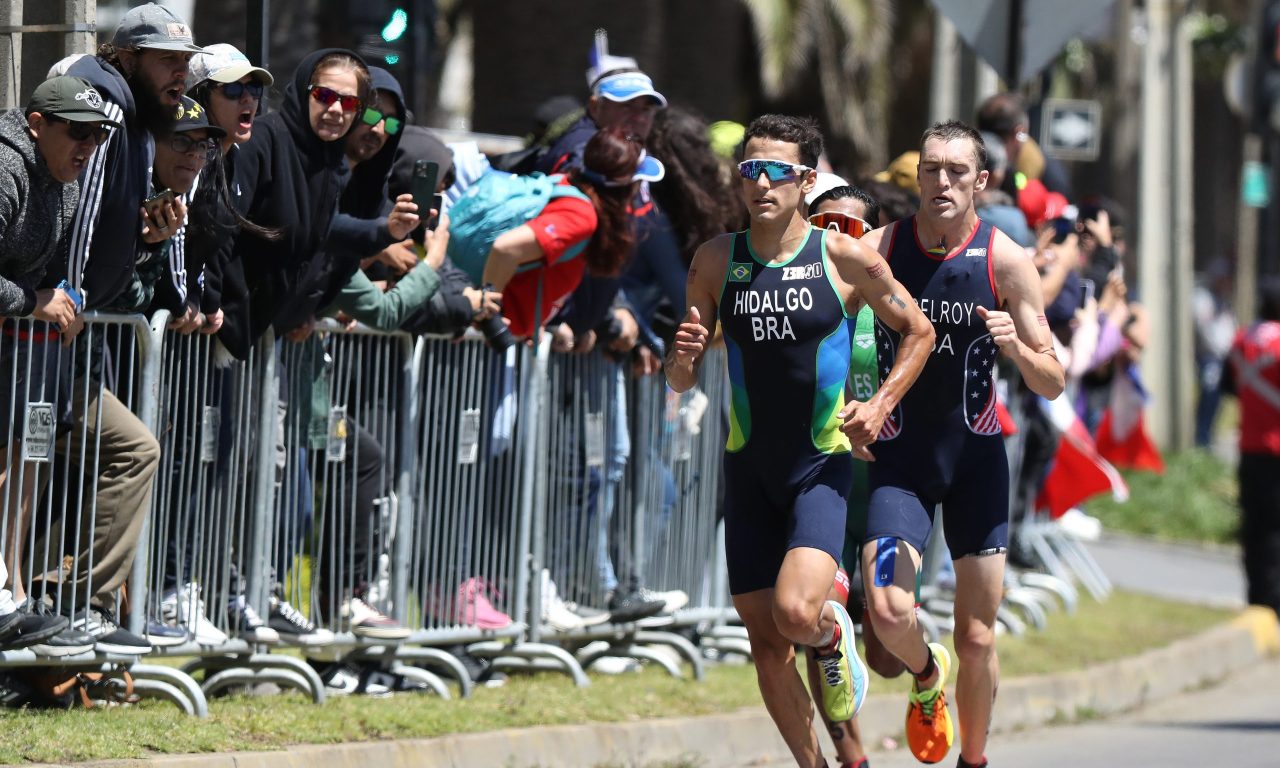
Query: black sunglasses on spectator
[183, 145]
[235, 90]
[82, 131]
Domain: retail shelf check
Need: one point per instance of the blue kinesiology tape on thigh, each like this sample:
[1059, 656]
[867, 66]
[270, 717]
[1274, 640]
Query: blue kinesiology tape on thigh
[886, 556]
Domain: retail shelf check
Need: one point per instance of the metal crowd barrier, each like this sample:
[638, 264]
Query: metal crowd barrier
[78, 464]
[474, 481]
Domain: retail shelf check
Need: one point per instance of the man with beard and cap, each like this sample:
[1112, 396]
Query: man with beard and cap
[140, 75]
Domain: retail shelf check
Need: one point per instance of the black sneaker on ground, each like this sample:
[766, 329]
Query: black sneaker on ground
[107, 634]
[632, 606]
[162, 635]
[35, 624]
[292, 627]
[68, 642]
[9, 624]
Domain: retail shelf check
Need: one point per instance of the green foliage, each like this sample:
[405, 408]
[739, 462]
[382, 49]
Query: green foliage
[1194, 500]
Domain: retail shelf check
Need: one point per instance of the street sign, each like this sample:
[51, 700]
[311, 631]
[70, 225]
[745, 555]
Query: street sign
[1071, 129]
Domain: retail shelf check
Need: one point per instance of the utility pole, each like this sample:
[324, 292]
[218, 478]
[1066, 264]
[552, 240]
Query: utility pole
[10, 53]
[1155, 241]
[944, 86]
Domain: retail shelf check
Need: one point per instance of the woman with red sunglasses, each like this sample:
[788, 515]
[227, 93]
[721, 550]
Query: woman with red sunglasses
[291, 174]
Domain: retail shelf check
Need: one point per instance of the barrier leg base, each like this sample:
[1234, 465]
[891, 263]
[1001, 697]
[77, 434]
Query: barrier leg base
[427, 657]
[248, 668]
[564, 660]
[420, 675]
[173, 678]
[682, 646]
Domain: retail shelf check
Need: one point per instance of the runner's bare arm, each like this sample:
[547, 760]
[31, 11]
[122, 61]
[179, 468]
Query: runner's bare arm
[1021, 330]
[702, 294]
[861, 267]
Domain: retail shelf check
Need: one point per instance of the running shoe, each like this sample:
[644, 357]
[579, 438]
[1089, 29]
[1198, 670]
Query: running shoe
[929, 730]
[844, 678]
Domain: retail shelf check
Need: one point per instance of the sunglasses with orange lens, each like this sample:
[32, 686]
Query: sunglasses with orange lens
[840, 222]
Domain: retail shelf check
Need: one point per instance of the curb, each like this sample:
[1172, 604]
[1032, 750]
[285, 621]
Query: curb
[748, 737]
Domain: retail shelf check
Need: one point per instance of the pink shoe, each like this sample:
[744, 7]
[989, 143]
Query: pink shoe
[474, 608]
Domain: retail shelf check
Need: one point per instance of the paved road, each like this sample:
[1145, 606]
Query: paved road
[1189, 574]
[1234, 724]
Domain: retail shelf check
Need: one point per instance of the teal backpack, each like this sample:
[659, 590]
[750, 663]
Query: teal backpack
[499, 202]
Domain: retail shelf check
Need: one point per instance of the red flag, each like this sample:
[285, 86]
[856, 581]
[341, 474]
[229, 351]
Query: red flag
[1078, 471]
[1122, 435]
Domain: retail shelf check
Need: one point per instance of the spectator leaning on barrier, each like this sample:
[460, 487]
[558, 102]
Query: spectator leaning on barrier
[292, 172]
[43, 148]
[140, 75]
[230, 88]
[457, 303]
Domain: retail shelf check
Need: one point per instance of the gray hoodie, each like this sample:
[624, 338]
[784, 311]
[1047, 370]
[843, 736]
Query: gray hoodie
[35, 214]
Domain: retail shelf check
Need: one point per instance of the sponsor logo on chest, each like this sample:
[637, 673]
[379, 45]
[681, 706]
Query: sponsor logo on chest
[807, 272]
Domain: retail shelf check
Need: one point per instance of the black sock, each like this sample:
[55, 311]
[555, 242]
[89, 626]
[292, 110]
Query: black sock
[929, 667]
[960, 763]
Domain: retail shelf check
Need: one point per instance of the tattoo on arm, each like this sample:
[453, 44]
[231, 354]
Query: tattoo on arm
[1044, 321]
[692, 273]
[893, 299]
[875, 270]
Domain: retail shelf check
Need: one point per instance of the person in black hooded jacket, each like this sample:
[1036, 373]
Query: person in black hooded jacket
[363, 227]
[292, 173]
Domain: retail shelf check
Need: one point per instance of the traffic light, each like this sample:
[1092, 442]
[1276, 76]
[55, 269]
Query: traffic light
[396, 26]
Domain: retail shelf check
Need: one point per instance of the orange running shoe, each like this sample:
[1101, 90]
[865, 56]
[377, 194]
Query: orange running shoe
[929, 731]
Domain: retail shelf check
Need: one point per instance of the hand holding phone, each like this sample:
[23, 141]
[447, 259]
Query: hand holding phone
[426, 175]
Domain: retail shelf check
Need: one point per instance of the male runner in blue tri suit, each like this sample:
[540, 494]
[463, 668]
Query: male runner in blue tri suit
[942, 445]
[786, 293]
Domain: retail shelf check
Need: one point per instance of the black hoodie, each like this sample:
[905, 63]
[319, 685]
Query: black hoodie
[288, 178]
[107, 231]
[361, 226]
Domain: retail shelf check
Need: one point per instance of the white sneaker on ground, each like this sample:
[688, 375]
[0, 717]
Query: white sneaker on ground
[673, 600]
[185, 608]
[368, 622]
[555, 613]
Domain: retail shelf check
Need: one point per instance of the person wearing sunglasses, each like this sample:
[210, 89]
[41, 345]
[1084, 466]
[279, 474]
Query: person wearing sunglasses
[230, 88]
[43, 149]
[367, 224]
[784, 293]
[837, 206]
[982, 295]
